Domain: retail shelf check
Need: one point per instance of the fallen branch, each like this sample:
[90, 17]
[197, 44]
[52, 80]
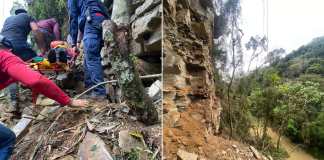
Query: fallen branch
[151, 78]
[81, 137]
[143, 143]
[33, 118]
[23, 149]
[70, 128]
[37, 112]
[42, 139]
[52, 125]
[158, 101]
[156, 152]
[114, 81]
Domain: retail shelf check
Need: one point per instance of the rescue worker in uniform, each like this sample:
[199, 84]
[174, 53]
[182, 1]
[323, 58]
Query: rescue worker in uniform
[87, 16]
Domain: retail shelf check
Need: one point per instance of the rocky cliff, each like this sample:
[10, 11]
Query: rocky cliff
[190, 108]
[146, 28]
[146, 44]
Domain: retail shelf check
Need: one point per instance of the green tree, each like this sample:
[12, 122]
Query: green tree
[315, 69]
[254, 44]
[275, 55]
[295, 98]
[316, 78]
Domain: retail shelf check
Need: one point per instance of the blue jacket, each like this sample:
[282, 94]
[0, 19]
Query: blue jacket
[77, 10]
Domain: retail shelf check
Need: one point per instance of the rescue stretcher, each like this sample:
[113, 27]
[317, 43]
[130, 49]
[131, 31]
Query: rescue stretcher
[56, 69]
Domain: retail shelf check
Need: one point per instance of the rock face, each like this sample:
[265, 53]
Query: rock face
[65, 80]
[189, 101]
[22, 128]
[155, 91]
[146, 42]
[89, 141]
[46, 102]
[127, 142]
[183, 155]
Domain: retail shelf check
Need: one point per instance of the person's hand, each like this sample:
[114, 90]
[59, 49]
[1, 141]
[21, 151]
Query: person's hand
[75, 49]
[43, 52]
[78, 103]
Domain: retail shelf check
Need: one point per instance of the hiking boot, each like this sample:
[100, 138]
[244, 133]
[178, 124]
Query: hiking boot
[96, 96]
[13, 107]
[51, 56]
[62, 53]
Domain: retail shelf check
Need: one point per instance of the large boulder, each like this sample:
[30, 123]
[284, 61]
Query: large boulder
[144, 26]
[183, 155]
[155, 91]
[65, 80]
[85, 151]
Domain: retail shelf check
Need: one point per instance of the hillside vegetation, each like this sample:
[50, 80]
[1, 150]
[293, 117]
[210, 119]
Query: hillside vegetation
[286, 96]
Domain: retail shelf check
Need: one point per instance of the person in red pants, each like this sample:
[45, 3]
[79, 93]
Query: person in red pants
[13, 69]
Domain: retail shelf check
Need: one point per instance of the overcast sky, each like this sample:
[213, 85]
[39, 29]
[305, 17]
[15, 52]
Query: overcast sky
[292, 23]
[5, 6]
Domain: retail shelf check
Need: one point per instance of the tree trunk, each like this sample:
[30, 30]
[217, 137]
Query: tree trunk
[116, 34]
[278, 143]
[228, 94]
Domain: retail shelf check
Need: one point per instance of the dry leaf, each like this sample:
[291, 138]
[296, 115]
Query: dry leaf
[136, 134]
[110, 144]
[90, 126]
[54, 157]
[104, 128]
[45, 139]
[116, 152]
[97, 110]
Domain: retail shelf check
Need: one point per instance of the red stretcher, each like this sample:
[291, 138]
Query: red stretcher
[55, 70]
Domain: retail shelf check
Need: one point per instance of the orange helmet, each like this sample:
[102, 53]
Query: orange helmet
[54, 44]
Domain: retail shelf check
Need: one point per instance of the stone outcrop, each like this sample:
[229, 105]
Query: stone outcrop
[146, 42]
[190, 106]
[90, 140]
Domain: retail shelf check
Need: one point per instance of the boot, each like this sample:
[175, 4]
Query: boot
[62, 53]
[96, 96]
[51, 56]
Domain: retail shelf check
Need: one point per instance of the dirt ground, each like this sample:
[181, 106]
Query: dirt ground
[192, 136]
[100, 114]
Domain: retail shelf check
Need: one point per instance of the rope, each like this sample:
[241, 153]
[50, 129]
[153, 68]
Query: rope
[68, 14]
[263, 16]
[267, 27]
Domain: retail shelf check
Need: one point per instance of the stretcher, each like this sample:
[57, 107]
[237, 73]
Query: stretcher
[57, 68]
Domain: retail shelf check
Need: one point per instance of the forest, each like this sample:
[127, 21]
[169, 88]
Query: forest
[284, 93]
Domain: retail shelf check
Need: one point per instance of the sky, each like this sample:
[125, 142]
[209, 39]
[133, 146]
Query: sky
[292, 23]
[5, 6]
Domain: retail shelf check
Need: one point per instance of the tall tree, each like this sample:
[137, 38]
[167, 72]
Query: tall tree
[255, 43]
[231, 14]
[275, 55]
[295, 98]
[116, 33]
